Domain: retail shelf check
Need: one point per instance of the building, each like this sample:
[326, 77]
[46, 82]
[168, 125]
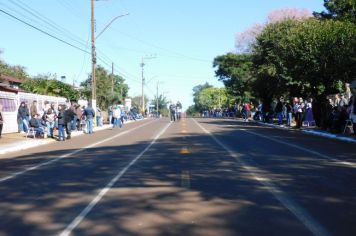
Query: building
[11, 96]
[10, 84]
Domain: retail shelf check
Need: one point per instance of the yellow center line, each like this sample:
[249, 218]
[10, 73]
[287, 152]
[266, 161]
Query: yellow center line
[184, 150]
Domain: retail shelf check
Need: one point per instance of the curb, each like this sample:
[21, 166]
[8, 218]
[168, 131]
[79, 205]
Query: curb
[27, 144]
[312, 132]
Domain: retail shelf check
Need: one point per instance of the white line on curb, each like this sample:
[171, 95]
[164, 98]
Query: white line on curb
[302, 215]
[69, 154]
[103, 191]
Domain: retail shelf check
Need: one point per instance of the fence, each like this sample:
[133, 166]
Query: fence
[11, 101]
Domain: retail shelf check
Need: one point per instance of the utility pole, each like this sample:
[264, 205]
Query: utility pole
[157, 100]
[143, 81]
[112, 78]
[93, 56]
[143, 85]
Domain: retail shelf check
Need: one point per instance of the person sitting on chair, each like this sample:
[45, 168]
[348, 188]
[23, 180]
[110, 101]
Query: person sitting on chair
[36, 125]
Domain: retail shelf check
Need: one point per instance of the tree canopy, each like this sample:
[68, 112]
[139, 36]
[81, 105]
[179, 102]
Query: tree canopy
[207, 97]
[109, 88]
[304, 58]
[344, 10]
[235, 71]
[16, 71]
[48, 85]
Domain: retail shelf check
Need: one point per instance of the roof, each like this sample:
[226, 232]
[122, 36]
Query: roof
[8, 89]
[11, 79]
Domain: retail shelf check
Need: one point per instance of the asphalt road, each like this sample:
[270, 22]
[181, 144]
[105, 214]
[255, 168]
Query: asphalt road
[192, 177]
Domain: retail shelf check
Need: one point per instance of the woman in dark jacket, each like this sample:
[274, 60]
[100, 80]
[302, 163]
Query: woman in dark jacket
[1, 120]
[23, 117]
[61, 123]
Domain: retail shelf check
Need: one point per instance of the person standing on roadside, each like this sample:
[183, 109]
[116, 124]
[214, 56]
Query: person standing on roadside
[289, 109]
[33, 109]
[116, 116]
[279, 111]
[98, 116]
[299, 112]
[110, 114]
[69, 115]
[1, 120]
[172, 110]
[352, 105]
[123, 115]
[22, 116]
[50, 118]
[61, 123]
[89, 114]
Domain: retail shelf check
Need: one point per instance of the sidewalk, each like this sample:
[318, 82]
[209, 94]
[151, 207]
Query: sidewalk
[17, 142]
[314, 131]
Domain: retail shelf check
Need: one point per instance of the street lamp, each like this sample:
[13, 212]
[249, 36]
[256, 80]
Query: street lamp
[93, 53]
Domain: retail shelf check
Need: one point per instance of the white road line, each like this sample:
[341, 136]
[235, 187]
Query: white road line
[301, 214]
[69, 154]
[349, 164]
[103, 191]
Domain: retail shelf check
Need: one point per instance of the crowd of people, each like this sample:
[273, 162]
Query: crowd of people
[67, 118]
[340, 112]
[63, 118]
[175, 111]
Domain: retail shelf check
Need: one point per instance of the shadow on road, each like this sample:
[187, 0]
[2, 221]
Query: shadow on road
[203, 192]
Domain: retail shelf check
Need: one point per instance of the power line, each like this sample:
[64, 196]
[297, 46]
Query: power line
[42, 31]
[53, 26]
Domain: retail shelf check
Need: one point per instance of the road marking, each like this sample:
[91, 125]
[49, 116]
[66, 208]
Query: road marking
[185, 179]
[299, 212]
[103, 191]
[184, 150]
[349, 164]
[68, 154]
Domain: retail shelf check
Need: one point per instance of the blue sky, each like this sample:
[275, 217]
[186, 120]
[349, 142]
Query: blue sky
[184, 36]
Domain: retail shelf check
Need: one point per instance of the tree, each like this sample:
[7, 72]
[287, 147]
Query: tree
[245, 40]
[236, 72]
[284, 14]
[16, 71]
[137, 101]
[162, 104]
[309, 58]
[210, 98]
[109, 88]
[47, 85]
[321, 55]
[191, 111]
[196, 90]
[344, 10]
[272, 75]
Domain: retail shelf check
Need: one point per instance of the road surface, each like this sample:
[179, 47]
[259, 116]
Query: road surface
[192, 177]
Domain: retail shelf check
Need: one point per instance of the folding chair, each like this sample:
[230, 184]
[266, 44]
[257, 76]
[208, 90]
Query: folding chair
[348, 123]
[31, 131]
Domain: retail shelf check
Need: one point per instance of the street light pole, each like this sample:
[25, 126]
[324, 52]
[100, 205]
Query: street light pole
[112, 78]
[93, 52]
[157, 100]
[93, 56]
[143, 85]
